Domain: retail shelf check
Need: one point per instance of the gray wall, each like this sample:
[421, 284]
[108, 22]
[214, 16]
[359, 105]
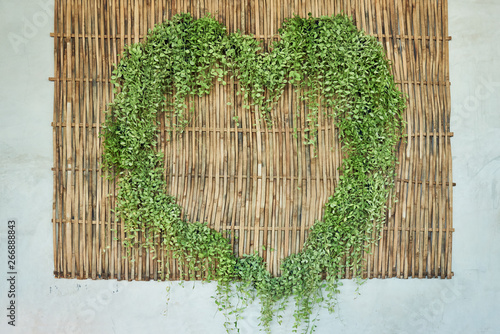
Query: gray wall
[469, 303]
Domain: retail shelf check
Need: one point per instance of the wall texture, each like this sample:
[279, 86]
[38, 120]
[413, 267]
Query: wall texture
[468, 303]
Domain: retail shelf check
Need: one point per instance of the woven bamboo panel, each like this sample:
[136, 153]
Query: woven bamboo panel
[259, 186]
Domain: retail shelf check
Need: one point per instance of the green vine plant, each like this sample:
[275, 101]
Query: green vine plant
[332, 66]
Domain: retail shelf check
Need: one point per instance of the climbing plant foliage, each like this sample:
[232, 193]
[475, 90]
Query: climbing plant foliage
[329, 63]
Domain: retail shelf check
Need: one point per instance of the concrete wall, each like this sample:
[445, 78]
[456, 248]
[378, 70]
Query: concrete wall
[469, 303]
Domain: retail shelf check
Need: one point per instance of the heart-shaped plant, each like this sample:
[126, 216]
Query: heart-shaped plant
[325, 59]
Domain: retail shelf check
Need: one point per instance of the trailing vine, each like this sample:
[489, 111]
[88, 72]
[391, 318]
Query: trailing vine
[332, 66]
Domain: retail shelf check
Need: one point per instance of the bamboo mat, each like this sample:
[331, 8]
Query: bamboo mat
[259, 186]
